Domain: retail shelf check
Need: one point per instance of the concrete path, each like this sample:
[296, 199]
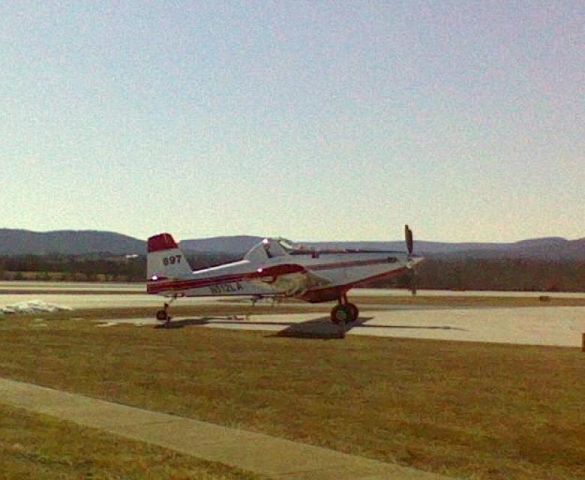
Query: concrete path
[270, 456]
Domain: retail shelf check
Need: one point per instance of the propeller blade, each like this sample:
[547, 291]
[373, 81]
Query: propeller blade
[413, 282]
[409, 239]
[410, 247]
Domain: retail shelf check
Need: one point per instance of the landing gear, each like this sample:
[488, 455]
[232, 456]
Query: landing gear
[355, 312]
[344, 312]
[163, 315]
[341, 314]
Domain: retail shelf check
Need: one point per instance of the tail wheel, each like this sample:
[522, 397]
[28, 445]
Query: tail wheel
[162, 316]
[355, 312]
[341, 314]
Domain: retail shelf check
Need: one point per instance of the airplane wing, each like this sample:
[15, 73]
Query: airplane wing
[291, 279]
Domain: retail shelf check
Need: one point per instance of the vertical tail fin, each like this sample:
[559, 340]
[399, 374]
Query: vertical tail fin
[165, 260]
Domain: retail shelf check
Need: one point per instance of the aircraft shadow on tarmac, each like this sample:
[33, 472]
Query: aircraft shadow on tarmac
[323, 328]
[320, 328]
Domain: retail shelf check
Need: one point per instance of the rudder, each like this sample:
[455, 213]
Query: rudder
[165, 260]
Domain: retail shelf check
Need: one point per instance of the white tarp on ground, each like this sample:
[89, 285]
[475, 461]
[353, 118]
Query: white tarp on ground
[33, 306]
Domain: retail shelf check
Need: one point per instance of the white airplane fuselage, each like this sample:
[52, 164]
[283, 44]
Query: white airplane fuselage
[268, 270]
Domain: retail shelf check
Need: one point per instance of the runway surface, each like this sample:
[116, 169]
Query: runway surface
[553, 326]
[558, 326]
[117, 295]
[81, 287]
[135, 288]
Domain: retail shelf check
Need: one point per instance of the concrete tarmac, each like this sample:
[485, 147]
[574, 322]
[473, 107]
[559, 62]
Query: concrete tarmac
[81, 287]
[558, 326]
[552, 326]
[255, 452]
[84, 287]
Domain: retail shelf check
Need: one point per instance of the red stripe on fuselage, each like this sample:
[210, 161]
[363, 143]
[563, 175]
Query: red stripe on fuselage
[164, 286]
[328, 294]
[158, 287]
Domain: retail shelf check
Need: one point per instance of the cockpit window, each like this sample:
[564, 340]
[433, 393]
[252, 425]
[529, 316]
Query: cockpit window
[286, 244]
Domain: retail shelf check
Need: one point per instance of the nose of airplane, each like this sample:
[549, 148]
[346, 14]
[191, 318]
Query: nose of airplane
[413, 260]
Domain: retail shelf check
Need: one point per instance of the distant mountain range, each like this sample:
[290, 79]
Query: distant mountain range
[67, 242]
[70, 242]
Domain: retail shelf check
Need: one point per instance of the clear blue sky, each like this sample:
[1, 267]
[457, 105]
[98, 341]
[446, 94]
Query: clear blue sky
[308, 119]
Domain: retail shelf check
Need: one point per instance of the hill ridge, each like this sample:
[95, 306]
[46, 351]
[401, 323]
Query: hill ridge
[80, 242]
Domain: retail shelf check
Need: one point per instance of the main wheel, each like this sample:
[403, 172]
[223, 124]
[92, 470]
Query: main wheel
[162, 316]
[341, 313]
[355, 312]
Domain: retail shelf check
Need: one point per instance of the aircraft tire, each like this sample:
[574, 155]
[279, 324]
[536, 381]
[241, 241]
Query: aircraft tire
[162, 316]
[355, 311]
[341, 313]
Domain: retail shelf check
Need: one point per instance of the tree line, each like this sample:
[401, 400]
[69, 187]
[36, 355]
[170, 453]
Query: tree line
[512, 274]
[98, 267]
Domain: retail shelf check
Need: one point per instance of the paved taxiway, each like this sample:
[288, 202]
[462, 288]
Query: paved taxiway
[554, 326]
[81, 287]
[93, 295]
[11, 287]
[559, 326]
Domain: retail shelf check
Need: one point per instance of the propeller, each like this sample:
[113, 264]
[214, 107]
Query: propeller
[410, 247]
[409, 239]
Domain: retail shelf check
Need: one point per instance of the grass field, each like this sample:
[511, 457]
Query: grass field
[469, 410]
[40, 447]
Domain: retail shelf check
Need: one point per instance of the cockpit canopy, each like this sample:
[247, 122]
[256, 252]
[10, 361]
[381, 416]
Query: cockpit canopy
[280, 247]
[272, 248]
[286, 244]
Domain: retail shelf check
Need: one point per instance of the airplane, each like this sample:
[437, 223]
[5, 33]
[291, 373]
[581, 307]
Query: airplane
[275, 268]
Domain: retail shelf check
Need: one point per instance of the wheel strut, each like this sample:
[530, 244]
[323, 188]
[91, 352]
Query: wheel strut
[163, 315]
